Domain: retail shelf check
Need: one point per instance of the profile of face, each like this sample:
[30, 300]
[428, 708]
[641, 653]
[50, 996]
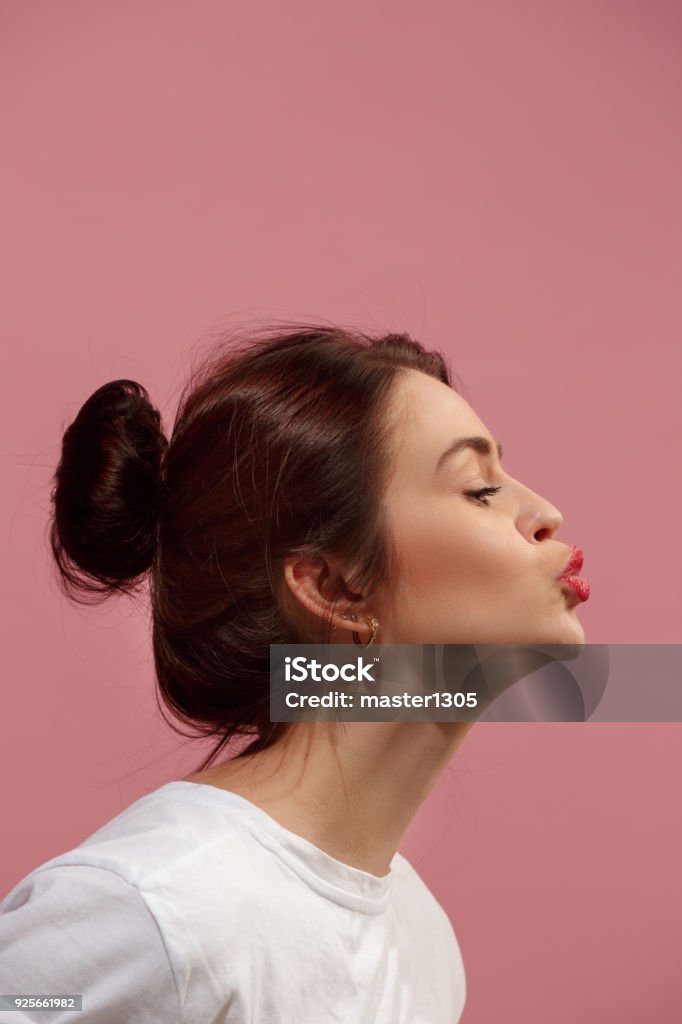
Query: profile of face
[472, 569]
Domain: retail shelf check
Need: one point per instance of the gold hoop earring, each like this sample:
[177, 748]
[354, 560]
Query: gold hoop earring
[356, 639]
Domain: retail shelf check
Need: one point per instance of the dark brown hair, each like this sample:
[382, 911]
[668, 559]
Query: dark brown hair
[281, 444]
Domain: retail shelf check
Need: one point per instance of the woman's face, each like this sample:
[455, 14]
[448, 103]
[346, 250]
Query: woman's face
[471, 570]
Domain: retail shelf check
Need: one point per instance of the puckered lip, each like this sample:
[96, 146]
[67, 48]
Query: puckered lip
[574, 564]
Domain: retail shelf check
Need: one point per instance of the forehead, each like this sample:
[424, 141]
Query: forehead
[430, 412]
[427, 416]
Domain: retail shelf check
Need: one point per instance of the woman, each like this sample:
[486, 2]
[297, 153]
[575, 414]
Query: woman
[319, 485]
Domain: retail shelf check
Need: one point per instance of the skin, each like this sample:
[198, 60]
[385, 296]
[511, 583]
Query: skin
[469, 573]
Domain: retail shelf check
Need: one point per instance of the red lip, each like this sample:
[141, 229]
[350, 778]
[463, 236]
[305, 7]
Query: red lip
[568, 577]
[578, 585]
[574, 564]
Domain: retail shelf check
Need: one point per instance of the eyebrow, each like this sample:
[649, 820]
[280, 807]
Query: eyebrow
[479, 444]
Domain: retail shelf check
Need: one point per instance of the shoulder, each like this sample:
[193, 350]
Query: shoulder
[158, 836]
[176, 857]
[186, 858]
[144, 905]
[85, 929]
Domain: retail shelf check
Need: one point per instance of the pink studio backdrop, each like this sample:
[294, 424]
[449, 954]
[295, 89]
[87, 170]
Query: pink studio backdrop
[500, 179]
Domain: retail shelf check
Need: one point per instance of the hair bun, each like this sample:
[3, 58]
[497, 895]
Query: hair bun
[107, 491]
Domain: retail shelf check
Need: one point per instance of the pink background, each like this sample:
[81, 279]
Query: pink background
[502, 180]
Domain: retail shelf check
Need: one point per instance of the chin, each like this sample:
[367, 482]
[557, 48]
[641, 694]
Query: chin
[574, 629]
[567, 630]
[570, 632]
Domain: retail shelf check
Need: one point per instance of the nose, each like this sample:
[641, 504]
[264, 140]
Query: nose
[540, 520]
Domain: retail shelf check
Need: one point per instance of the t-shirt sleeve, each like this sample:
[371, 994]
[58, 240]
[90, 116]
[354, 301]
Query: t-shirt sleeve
[85, 930]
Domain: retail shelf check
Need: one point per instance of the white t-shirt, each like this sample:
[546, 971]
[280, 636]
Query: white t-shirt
[194, 906]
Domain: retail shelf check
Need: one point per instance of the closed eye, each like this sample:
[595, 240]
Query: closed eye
[479, 494]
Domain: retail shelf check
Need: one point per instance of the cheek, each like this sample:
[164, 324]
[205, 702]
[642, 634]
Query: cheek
[469, 553]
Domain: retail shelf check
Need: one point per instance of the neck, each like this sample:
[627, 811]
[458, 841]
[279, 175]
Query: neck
[353, 790]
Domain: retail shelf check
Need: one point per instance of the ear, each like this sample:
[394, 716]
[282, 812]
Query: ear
[320, 589]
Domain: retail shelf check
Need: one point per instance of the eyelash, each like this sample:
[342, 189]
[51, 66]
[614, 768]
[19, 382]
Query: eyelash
[478, 495]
